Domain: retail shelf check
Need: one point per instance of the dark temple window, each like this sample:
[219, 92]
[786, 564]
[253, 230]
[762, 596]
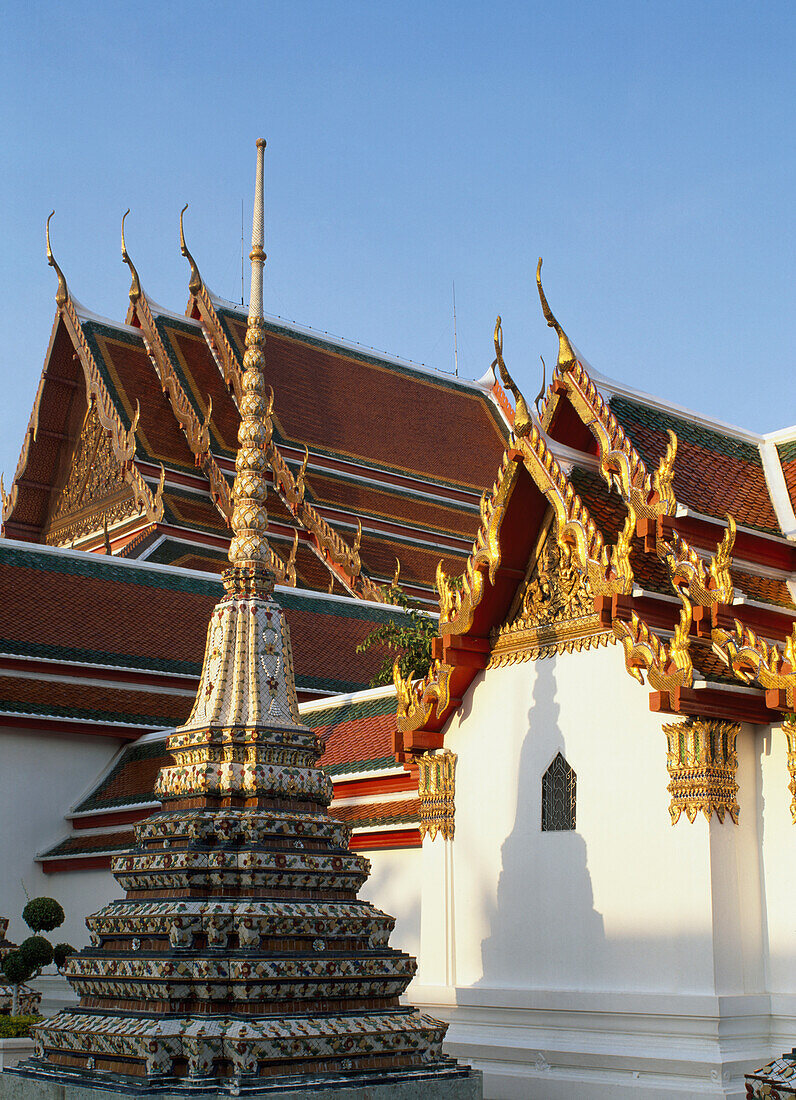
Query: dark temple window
[558, 796]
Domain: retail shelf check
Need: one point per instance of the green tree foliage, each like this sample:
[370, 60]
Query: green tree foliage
[15, 968]
[43, 914]
[408, 637]
[36, 952]
[61, 953]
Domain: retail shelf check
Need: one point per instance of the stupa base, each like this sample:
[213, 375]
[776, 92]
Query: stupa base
[445, 1082]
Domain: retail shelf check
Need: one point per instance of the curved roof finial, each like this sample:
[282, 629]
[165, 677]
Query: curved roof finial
[566, 356]
[62, 293]
[522, 418]
[135, 285]
[195, 283]
[540, 394]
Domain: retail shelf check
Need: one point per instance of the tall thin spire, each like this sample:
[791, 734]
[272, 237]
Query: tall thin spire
[248, 551]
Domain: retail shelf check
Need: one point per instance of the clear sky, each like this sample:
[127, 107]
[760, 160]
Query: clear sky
[644, 149]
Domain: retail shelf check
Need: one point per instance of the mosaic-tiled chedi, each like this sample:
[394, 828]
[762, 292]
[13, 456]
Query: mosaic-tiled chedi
[241, 951]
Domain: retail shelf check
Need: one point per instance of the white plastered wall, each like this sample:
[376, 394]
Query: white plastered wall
[42, 775]
[626, 947]
[394, 886]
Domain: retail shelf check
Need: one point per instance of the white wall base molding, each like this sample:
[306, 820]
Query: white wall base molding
[554, 1045]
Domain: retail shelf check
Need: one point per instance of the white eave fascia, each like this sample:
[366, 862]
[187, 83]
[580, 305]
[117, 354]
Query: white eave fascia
[187, 676]
[683, 510]
[393, 827]
[157, 310]
[366, 696]
[388, 772]
[609, 386]
[86, 314]
[102, 810]
[86, 681]
[385, 799]
[75, 721]
[745, 601]
[777, 488]
[39, 858]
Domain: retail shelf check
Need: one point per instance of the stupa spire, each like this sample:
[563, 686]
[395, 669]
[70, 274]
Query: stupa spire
[248, 551]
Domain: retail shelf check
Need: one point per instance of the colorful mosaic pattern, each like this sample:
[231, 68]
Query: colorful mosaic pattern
[241, 949]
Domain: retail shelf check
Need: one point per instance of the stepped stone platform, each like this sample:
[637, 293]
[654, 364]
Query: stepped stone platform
[454, 1083]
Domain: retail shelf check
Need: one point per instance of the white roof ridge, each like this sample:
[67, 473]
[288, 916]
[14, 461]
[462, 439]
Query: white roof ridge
[349, 345]
[86, 314]
[609, 386]
[157, 310]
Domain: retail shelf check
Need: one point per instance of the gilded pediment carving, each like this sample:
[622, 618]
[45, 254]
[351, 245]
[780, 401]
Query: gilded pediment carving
[95, 492]
[553, 610]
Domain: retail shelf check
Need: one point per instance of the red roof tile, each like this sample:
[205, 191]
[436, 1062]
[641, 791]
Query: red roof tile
[317, 387]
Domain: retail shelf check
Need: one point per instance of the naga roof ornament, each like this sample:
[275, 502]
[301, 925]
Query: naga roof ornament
[135, 284]
[195, 283]
[522, 418]
[62, 293]
[566, 355]
[241, 957]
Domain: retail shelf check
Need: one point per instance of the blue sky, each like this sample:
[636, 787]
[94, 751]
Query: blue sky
[645, 150]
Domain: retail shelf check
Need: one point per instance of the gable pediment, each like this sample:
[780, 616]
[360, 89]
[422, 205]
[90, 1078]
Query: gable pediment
[94, 493]
[553, 610]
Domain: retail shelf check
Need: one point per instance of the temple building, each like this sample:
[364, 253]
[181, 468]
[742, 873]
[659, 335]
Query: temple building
[582, 816]
[116, 525]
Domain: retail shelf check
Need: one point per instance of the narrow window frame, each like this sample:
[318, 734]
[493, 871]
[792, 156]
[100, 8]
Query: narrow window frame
[559, 796]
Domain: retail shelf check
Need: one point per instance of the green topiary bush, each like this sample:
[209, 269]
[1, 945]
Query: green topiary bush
[61, 953]
[15, 968]
[43, 914]
[36, 951]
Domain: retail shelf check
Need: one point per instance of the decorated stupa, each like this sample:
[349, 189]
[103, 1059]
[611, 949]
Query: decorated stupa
[240, 961]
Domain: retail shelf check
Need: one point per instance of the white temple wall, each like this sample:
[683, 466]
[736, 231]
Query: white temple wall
[41, 776]
[627, 957]
[778, 834]
[394, 887]
[624, 901]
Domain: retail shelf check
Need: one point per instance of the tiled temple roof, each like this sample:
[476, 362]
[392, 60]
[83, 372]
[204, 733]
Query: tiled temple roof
[715, 473]
[415, 490]
[358, 733]
[408, 420]
[48, 615]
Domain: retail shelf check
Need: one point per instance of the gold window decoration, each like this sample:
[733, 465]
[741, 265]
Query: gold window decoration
[437, 790]
[702, 763]
[790, 734]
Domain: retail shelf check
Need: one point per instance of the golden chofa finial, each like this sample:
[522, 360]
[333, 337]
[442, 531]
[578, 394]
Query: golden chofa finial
[566, 356]
[135, 284]
[522, 418]
[195, 283]
[62, 293]
[249, 552]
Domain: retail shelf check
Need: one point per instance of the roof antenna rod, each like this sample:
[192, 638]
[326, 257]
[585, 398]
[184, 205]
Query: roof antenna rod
[455, 341]
[242, 253]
